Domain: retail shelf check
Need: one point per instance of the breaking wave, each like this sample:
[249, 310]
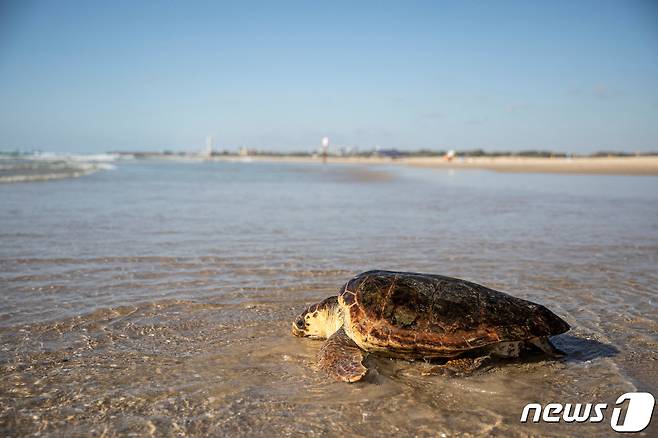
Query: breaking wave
[45, 167]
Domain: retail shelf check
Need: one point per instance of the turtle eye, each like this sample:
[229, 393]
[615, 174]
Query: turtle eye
[300, 324]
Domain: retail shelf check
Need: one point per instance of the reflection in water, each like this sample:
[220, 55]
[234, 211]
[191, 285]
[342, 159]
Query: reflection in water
[157, 298]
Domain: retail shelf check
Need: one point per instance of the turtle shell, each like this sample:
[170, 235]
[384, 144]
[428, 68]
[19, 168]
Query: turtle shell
[424, 315]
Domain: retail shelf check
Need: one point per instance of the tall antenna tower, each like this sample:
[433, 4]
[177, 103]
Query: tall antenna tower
[325, 145]
[208, 151]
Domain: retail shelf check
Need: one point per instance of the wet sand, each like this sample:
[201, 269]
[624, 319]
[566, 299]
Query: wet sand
[157, 299]
[580, 165]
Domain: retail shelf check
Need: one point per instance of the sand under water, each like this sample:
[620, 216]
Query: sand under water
[156, 299]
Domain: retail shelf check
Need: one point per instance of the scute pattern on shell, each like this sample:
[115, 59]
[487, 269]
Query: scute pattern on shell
[424, 314]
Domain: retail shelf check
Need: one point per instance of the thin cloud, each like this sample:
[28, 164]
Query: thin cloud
[599, 90]
[517, 107]
[604, 91]
[433, 116]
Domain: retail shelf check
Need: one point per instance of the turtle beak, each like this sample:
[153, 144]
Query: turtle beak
[296, 330]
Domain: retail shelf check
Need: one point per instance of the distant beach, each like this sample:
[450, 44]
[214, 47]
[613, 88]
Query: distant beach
[642, 165]
[579, 165]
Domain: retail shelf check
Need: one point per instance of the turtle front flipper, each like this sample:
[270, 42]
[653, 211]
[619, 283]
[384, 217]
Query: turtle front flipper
[342, 358]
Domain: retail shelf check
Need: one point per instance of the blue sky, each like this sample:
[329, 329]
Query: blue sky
[574, 76]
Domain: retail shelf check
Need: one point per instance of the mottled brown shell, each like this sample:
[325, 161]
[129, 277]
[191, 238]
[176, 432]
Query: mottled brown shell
[427, 315]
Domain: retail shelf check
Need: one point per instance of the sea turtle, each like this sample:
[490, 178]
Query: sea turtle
[423, 316]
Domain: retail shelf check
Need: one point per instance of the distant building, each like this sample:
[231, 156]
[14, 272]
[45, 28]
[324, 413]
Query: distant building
[243, 152]
[391, 153]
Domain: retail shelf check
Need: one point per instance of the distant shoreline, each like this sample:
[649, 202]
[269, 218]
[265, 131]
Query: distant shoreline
[647, 165]
[29, 168]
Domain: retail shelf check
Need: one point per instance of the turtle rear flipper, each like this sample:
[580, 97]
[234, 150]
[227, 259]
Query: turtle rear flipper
[342, 358]
[459, 366]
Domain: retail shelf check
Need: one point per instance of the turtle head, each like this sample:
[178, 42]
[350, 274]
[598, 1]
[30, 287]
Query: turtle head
[320, 320]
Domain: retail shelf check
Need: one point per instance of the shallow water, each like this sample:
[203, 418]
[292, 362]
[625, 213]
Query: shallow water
[156, 298]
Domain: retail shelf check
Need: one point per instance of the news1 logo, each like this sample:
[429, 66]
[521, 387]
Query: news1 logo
[638, 412]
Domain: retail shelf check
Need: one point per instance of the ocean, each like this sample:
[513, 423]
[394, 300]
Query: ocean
[156, 297]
